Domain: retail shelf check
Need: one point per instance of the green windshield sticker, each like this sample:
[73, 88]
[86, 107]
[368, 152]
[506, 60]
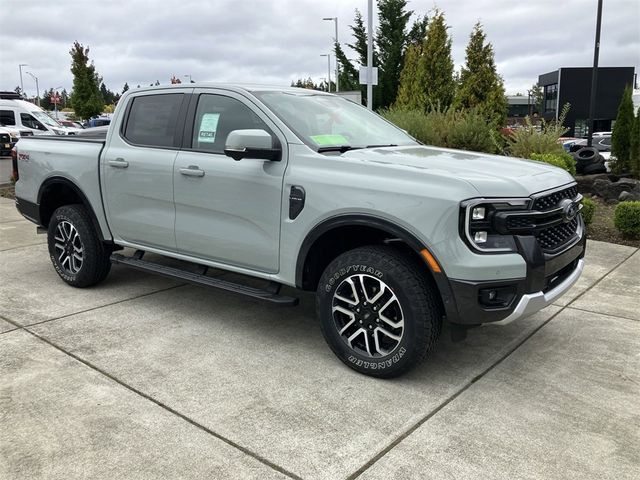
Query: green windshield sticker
[330, 139]
[208, 127]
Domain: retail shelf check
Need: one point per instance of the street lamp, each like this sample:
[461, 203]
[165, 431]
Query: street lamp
[21, 84]
[335, 19]
[328, 55]
[37, 87]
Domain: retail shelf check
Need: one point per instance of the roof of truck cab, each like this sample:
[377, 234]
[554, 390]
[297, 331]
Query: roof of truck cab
[237, 87]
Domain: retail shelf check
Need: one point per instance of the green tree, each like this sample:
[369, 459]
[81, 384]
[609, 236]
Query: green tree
[391, 39]
[85, 98]
[107, 95]
[359, 45]
[537, 97]
[418, 31]
[622, 133]
[429, 80]
[480, 85]
[45, 101]
[349, 76]
[125, 87]
[635, 146]
[411, 95]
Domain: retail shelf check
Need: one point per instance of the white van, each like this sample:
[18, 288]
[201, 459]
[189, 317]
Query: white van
[27, 116]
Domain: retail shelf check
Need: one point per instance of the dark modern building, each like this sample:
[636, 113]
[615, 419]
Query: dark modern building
[573, 86]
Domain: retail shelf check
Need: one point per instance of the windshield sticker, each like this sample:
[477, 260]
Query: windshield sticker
[208, 127]
[329, 139]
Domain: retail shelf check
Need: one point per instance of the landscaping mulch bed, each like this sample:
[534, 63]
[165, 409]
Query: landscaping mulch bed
[602, 227]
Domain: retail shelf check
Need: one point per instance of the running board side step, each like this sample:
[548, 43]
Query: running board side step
[271, 294]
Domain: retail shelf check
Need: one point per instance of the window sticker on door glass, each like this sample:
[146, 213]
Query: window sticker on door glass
[208, 127]
[329, 139]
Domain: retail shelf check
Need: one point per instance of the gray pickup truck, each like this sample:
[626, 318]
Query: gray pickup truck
[308, 190]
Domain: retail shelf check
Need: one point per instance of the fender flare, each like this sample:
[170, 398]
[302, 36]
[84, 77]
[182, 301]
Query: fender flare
[363, 220]
[57, 180]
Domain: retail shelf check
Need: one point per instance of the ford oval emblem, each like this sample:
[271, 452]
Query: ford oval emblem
[569, 209]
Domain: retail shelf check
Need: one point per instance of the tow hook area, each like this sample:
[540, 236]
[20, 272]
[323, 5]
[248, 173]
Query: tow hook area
[459, 332]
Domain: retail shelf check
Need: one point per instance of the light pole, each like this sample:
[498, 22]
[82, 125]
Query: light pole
[328, 55]
[370, 55]
[335, 40]
[594, 75]
[37, 86]
[21, 84]
[188, 75]
[55, 104]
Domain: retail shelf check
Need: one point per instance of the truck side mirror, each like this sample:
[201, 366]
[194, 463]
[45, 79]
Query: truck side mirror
[252, 143]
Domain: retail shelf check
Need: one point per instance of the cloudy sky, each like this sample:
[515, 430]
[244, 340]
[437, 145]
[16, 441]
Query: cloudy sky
[276, 41]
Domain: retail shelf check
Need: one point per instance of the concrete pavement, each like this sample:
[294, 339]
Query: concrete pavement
[142, 377]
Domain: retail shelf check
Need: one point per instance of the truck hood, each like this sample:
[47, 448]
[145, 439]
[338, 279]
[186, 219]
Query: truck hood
[490, 175]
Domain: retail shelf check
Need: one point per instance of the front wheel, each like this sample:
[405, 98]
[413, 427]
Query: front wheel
[77, 254]
[378, 312]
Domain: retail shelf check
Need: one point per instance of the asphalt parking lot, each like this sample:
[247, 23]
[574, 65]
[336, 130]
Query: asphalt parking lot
[143, 377]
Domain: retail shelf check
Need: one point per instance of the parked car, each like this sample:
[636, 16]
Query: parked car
[97, 122]
[308, 190]
[24, 115]
[68, 123]
[9, 136]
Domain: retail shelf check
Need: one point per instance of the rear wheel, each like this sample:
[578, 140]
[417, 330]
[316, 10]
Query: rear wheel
[77, 254]
[378, 312]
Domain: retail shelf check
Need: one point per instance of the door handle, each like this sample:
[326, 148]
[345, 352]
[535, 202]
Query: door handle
[192, 171]
[118, 163]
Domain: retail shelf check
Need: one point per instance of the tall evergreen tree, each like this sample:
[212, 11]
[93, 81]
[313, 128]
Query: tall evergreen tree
[429, 80]
[418, 31]
[359, 45]
[622, 133]
[391, 39]
[411, 94]
[480, 85]
[349, 76]
[85, 98]
[125, 87]
[360, 39]
[635, 146]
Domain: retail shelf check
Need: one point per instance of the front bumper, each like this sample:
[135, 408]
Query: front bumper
[548, 277]
[531, 303]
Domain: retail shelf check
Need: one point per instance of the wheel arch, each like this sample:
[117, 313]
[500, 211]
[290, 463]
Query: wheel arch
[330, 230]
[58, 191]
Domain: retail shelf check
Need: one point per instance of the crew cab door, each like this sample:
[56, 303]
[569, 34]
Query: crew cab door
[227, 211]
[137, 169]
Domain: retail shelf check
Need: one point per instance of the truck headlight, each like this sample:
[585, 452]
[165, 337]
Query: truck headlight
[477, 225]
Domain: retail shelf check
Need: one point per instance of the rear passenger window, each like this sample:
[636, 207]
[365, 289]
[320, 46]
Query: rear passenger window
[216, 117]
[152, 120]
[7, 117]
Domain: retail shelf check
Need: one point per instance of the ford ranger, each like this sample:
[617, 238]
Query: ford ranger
[308, 190]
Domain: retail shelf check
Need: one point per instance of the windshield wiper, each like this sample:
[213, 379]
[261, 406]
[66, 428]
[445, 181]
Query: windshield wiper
[337, 148]
[385, 145]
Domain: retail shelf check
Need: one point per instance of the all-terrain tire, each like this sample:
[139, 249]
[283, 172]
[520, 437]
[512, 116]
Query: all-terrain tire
[77, 254]
[416, 306]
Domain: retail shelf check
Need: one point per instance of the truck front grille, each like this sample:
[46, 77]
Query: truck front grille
[554, 238]
[548, 202]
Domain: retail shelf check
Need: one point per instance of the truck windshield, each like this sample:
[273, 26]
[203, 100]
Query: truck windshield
[327, 122]
[46, 119]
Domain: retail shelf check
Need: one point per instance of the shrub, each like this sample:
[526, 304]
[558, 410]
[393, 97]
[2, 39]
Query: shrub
[627, 219]
[588, 210]
[622, 133]
[449, 128]
[562, 160]
[533, 139]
